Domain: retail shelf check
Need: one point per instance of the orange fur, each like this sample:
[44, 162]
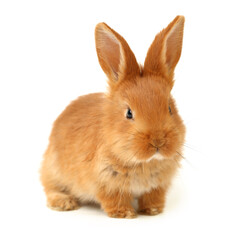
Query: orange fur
[96, 154]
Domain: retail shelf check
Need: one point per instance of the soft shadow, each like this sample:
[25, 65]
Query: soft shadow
[175, 196]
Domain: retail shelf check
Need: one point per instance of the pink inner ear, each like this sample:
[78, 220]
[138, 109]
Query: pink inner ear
[174, 46]
[110, 51]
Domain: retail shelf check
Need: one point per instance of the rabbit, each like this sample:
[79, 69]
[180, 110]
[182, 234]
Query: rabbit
[126, 144]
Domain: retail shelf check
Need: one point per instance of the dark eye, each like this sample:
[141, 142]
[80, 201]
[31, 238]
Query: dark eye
[129, 114]
[170, 110]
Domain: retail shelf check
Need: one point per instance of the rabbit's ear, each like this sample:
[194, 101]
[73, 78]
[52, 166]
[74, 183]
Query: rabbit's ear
[115, 56]
[165, 51]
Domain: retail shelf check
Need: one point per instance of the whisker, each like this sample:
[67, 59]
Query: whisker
[190, 147]
[184, 158]
[180, 154]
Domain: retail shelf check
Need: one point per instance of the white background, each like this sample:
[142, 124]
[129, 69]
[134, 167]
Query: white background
[47, 59]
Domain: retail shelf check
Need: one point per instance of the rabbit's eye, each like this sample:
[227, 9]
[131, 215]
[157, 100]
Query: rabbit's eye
[129, 114]
[170, 110]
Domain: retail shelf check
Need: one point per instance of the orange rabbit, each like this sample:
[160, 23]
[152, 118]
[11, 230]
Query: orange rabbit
[110, 148]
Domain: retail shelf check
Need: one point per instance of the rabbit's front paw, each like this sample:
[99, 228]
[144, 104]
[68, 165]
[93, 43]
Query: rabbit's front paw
[151, 211]
[124, 213]
[152, 203]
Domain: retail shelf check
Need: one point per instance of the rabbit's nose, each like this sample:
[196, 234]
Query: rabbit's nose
[158, 143]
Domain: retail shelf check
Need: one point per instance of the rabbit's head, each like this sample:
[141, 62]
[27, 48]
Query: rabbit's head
[141, 121]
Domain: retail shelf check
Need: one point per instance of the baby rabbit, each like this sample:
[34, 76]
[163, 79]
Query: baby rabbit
[110, 148]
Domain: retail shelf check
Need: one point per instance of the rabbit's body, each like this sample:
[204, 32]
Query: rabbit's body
[102, 151]
[81, 144]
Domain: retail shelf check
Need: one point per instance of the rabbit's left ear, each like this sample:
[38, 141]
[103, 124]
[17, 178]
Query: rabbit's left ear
[165, 51]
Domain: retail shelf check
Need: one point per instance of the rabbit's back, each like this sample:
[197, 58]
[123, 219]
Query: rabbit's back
[78, 125]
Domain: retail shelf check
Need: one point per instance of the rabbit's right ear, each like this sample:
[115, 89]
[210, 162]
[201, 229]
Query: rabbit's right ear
[115, 56]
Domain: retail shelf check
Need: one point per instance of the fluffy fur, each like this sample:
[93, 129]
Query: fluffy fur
[96, 154]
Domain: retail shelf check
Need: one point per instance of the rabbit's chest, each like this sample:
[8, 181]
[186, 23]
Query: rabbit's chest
[137, 181]
[143, 182]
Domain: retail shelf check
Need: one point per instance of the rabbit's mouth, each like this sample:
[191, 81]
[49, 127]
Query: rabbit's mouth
[156, 156]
